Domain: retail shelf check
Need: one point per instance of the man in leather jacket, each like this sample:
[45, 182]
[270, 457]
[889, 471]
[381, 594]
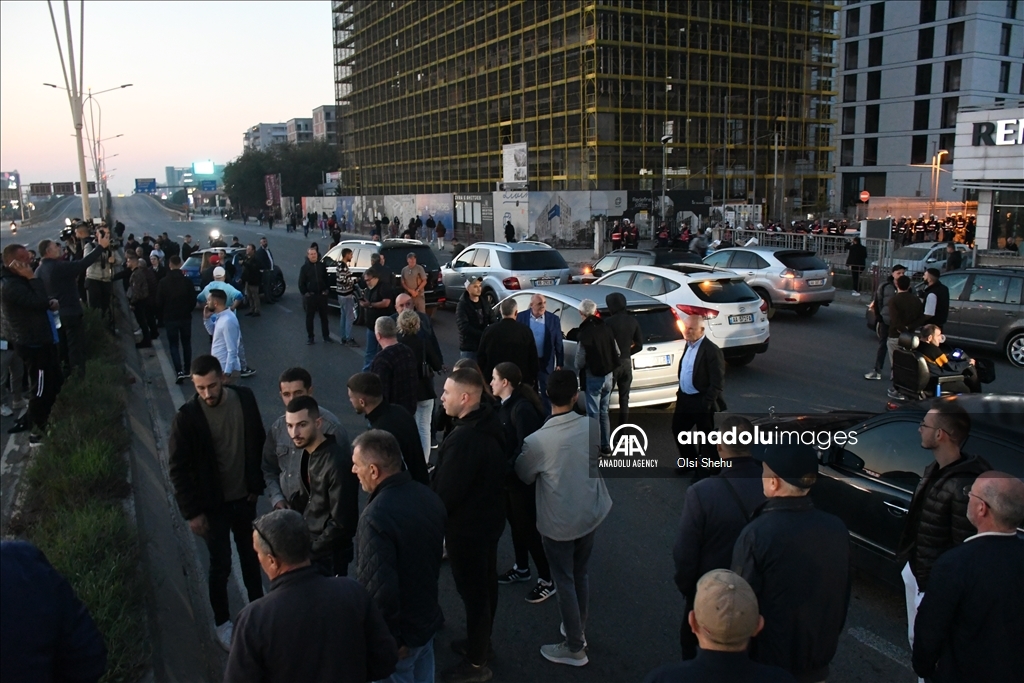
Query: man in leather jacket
[945, 361]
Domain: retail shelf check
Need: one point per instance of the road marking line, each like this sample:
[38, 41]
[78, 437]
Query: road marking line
[882, 646]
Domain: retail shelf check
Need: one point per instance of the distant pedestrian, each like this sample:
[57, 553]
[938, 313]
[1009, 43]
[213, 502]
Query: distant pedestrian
[906, 314]
[314, 288]
[472, 315]
[99, 279]
[796, 558]
[345, 284]
[630, 341]
[46, 631]
[414, 282]
[571, 504]
[396, 366]
[701, 373]
[214, 454]
[547, 336]
[138, 299]
[366, 395]
[440, 231]
[428, 361]
[715, 510]
[510, 232]
[222, 325]
[856, 259]
[252, 277]
[330, 488]
[954, 259]
[880, 305]
[457, 246]
[430, 228]
[401, 541]
[935, 298]
[723, 617]
[508, 341]
[970, 625]
[234, 297]
[376, 303]
[598, 354]
[468, 479]
[175, 297]
[309, 627]
[187, 248]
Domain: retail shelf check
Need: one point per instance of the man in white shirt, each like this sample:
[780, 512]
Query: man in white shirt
[222, 324]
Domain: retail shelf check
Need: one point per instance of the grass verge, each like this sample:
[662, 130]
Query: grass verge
[74, 505]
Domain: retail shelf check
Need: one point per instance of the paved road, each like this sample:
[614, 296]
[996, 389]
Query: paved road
[813, 364]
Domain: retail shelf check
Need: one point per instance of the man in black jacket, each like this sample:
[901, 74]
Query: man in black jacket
[880, 305]
[471, 317]
[906, 314]
[714, 513]
[701, 375]
[796, 558]
[252, 276]
[507, 340]
[971, 621]
[331, 489]
[937, 519]
[214, 454]
[28, 312]
[936, 298]
[313, 287]
[470, 471]
[308, 627]
[366, 394]
[953, 258]
[630, 341]
[176, 299]
[401, 540]
[598, 354]
[856, 258]
[376, 301]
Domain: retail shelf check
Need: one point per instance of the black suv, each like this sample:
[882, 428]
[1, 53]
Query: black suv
[869, 484]
[394, 252]
[665, 256]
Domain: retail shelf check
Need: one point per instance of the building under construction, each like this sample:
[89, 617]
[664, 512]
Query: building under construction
[735, 96]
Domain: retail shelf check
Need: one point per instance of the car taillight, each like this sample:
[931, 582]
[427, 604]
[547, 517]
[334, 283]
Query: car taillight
[764, 306]
[440, 281]
[511, 283]
[706, 313]
[789, 273]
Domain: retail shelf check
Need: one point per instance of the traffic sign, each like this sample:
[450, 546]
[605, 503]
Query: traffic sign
[64, 188]
[270, 202]
[208, 185]
[865, 195]
[40, 189]
[147, 185]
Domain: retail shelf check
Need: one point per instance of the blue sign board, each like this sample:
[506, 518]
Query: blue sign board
[147, 185]
[208, 185]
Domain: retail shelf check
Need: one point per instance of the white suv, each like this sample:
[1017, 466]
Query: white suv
[505, 269]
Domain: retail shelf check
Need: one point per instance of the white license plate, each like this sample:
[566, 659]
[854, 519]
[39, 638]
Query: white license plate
[816, 283]
[651, 362]
[544, 282]
[737, 319]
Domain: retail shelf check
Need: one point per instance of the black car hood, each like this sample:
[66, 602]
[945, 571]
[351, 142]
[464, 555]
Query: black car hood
[839, 419]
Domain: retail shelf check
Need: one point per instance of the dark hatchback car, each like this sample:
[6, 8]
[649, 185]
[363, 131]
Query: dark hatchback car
[271, 289]
[635, 257]
[869, 484]
[394, 252]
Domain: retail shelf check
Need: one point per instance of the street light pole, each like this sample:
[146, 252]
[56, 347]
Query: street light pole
[74, 95]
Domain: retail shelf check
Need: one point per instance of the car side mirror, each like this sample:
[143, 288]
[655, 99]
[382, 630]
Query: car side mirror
[598, 272]
[931, 260]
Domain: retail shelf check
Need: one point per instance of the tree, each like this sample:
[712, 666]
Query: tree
[301, 168]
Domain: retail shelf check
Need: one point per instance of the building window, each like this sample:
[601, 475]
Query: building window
[847, 153]
[946, 142]
[874, 85]
[919, 149]
[871, 151]
[878, 17]
[923, 85]
[852, 54]
[957, 8]
[1011, 9]
[871, 118]
[849, 120]
[955, 39]
[850, 88]
[852, 22]
[875, 52]
[928, 10]
[1004, 77]
[1004, 40]
[922, 109]
[951, 79]
[949, 108]
[925, 43]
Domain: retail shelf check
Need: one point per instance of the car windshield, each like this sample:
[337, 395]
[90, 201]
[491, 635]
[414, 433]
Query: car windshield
[801, 260]
[192, 263]
[540, 259]
[723, 291]
[424, 257]
[668, 257]
[657, 325]
[910, 253]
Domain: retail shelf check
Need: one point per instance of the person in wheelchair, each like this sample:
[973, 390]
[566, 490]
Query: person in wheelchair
[943, 360]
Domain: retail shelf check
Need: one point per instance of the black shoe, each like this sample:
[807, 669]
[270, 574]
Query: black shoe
[541, 592]
[181, 377]
[514, 575]
[467, 672]
[328, 340]
[310, 341]
[144, 345]
[249, 314]
[460, 647]
[256, 315]
[247, 372]
[35, 439]
[21, 425]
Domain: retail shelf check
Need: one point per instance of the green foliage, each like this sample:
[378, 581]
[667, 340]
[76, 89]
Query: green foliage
[301, 168]
[179, 197]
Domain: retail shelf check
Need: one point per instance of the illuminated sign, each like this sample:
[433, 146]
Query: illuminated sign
[1002, 132]
[203, 168]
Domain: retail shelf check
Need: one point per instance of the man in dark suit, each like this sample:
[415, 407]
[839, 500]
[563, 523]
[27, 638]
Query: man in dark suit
[701, 375]
[508, 341]
[547, 336]
[971, 620]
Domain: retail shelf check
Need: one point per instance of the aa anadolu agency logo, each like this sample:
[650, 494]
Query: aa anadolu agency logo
[629, 449]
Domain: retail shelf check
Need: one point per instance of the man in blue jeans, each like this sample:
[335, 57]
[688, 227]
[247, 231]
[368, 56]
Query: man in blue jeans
[376, 303]
[176, 299]
[597, 354]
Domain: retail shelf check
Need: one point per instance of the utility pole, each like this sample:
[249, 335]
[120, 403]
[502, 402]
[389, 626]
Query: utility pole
[775, 179]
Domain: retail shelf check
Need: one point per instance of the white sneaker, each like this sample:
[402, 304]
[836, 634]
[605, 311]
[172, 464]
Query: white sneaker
[6, 411]
[855, 293]
[559, 653]
[224, 633]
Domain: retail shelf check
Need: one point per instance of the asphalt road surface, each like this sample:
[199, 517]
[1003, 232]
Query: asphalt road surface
[813, 365]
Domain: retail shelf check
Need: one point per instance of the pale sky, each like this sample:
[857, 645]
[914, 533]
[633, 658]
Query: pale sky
[202, 72]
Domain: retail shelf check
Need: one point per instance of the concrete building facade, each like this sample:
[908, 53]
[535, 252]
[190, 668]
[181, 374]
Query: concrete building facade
[263, 135]
[299, 131]
[325, 124]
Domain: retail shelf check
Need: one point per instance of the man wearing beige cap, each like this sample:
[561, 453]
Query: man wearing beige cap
[724, 618]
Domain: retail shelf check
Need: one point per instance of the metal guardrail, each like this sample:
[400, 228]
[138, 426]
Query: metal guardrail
[996, 258]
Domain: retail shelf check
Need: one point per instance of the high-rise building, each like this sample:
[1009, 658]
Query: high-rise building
[428, 92]
[299, 130]
[905, 69]
[263, 135]
[324, 124]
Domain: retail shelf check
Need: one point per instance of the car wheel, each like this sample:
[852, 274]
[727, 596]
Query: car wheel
[807, 310]
[278, 286]
[740, 361]
[768, 300]
[1015, 349]
[490, 299]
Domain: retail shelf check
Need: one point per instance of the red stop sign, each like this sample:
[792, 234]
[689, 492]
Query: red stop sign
[865, 195]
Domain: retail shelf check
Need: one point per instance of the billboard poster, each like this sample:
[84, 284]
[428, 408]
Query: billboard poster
[319, 204]
[561, 218]
[401, 206]
[474, 218]
[272, 185]
[512, 206]
[514, 163]
[438, 206]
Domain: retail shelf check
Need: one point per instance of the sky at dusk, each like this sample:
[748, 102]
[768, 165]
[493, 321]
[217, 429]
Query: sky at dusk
[201, 73]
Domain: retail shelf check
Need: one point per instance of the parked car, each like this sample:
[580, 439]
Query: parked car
[785, 278]
[985, 310]
[636, 257]
[869, 484]
[920, 256]
[271, 289]
[394, 252]
[735, 316]
[654, 368]
[505, 268]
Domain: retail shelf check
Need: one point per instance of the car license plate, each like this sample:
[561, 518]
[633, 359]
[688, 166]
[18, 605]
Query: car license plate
[651, 362]
[816, 283]
[737, 319]
[544, 282]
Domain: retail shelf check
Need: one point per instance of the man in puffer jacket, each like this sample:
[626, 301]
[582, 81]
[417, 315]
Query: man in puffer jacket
[937, 520]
